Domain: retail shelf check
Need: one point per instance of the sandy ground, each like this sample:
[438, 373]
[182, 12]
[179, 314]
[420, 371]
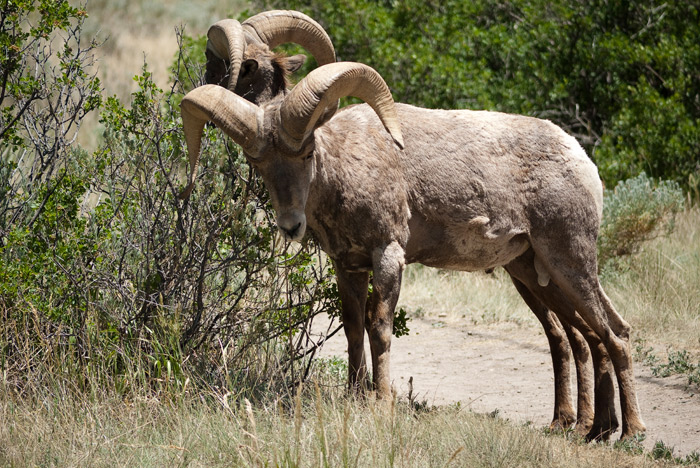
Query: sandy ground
[507, 367]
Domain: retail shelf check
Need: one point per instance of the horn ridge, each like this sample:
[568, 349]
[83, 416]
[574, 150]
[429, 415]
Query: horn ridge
[277, 27]
[234, 115]
[303, 107]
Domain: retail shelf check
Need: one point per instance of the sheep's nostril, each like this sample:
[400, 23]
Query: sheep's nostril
[292, 225]
[292, 231]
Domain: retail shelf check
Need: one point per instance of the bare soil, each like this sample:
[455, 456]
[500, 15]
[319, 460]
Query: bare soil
[507, 368]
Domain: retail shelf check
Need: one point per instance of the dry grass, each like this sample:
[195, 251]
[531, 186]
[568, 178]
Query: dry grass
[328, 431]
[659, 293]
[457, 296]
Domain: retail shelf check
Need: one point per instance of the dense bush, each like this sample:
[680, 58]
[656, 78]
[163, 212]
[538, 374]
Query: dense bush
[105, 276]
[620, 76]
[45, 91]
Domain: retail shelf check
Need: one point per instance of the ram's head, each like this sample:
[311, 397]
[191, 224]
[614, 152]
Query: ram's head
[278, 136]
[240, 57]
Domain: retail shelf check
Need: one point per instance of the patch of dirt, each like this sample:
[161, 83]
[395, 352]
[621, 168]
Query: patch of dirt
[506, 367]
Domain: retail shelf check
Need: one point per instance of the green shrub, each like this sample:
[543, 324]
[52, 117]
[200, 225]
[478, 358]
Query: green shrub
[48, 85]
[679, 362]
[636, 211]
[106, 278]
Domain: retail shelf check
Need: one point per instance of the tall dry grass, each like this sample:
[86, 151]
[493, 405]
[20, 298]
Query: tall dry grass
[658, 291]
[476, 298]
[326, 430]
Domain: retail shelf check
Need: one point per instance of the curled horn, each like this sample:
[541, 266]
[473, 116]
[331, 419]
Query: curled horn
[227, 42]
[227, 38]
[306, 103]
[234, 115]
[277, 27]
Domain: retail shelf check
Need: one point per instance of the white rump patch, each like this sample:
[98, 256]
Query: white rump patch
[542, 274]
[587, 173]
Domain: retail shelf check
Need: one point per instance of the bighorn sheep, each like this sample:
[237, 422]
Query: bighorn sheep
[239, 58]
[470, 191]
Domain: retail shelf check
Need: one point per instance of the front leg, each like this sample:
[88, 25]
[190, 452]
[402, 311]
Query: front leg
[388, 266]
[353, 296]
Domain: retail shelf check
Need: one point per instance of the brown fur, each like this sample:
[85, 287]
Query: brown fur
[470, 191]
[263, 76]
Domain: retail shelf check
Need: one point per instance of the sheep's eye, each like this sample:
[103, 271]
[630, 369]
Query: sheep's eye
[308, 156]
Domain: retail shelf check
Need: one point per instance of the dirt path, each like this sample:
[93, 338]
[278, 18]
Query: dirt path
[506, 367]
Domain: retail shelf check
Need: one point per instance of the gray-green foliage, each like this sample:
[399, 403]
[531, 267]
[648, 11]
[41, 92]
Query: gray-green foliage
[637, 210]
[46, 88]
[679, 362]
[620, 76]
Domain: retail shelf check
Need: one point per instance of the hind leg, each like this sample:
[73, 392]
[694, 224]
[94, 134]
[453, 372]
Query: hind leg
[597, 417]
[597, 380]
[571, 264]
[602, 422]
[564, 413]
[584, 378]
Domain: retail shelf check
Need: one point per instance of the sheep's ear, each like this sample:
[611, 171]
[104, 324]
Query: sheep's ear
[293, 63]
[248, 68]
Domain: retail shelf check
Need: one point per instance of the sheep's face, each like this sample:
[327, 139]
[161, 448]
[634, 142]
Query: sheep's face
[278, 137]
[287, 179]
[263, 74]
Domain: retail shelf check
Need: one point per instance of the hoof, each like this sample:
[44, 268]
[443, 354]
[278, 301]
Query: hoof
[601, 432]
[631, 430]
[603, 427]
[583, 427]
[562, 423]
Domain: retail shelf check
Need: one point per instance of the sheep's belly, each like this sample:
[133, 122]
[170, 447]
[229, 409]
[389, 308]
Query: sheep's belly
[468, 247]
